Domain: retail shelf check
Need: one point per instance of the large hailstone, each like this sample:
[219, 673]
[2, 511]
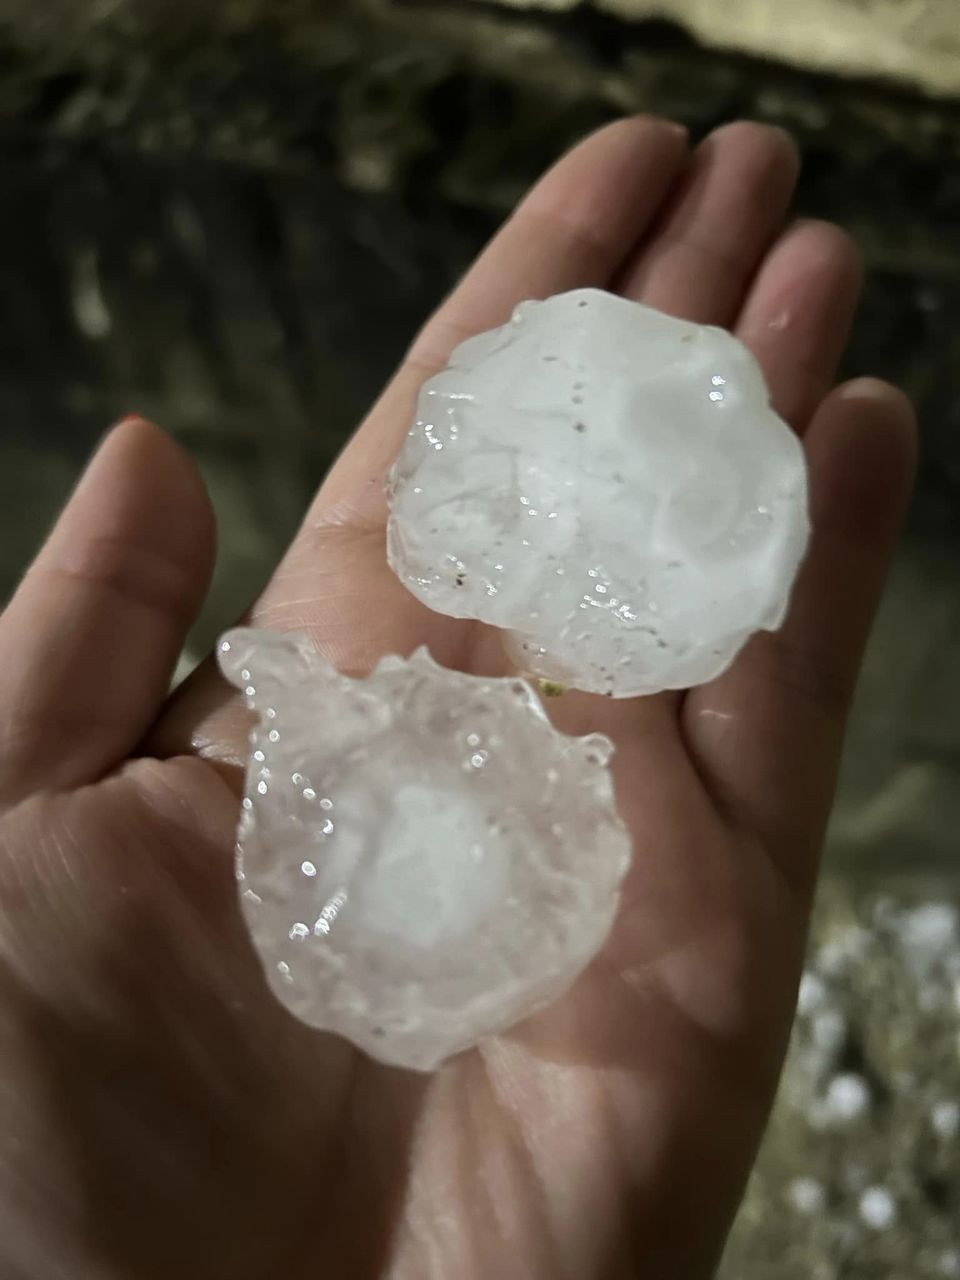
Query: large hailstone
[609, 485]
[423, 859]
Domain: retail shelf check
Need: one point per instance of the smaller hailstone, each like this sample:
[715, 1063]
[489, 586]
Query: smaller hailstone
[812, 994]
[829, 1030]
[945, 1118]
[807, 1195]
[610, 486]
[848, 1097]
[878, 1208]
[423, 859]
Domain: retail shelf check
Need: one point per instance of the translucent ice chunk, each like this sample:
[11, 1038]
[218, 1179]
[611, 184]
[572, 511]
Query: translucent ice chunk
[423, 859]
[609, 485]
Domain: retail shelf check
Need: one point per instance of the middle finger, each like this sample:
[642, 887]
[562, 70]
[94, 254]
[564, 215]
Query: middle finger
[700, 260]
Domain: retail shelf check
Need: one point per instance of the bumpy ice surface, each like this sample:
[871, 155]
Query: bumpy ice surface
[423, 859]
[608, 484]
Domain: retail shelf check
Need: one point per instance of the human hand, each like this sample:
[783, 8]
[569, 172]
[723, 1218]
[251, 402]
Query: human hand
[160, 1114]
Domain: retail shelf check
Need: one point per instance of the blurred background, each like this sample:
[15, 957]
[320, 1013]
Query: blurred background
[230, 217]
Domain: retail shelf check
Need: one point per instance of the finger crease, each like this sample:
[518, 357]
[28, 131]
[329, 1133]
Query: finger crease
[137, 576]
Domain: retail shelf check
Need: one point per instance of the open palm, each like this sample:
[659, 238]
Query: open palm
[160, 1114]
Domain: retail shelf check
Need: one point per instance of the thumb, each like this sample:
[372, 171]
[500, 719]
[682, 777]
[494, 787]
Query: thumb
[90, 640]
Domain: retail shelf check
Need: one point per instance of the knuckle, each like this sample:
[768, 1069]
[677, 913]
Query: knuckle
[133, 575]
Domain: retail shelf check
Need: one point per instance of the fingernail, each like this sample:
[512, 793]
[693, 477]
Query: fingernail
[800, 226]
[661, 123]
[784, 133]
[870, 389]
[130, 419]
